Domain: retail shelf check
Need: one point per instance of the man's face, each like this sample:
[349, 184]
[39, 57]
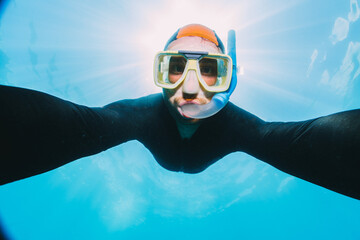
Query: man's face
[190, 91]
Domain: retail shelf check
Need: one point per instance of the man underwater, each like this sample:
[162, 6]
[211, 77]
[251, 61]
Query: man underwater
[187, 128]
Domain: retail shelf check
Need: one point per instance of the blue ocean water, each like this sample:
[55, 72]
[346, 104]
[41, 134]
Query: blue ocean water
[299, 59]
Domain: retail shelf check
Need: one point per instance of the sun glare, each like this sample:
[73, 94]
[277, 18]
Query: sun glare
[159, 23]
[162, 22]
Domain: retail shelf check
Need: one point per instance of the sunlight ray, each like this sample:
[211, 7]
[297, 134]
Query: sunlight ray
[267, 13]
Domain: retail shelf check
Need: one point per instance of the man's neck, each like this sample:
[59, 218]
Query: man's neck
[187, 130]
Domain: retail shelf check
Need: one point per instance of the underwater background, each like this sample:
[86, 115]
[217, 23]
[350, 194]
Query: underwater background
[299, 60]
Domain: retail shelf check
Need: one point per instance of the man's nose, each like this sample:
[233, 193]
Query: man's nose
[191, 84]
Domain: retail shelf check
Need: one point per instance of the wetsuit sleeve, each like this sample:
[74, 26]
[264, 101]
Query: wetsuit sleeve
[324, 151]
[39, 132]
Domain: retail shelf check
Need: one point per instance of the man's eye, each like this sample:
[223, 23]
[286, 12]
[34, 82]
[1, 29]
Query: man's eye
[208, 70]
[208, 67]
[177, 65]
[176, 68]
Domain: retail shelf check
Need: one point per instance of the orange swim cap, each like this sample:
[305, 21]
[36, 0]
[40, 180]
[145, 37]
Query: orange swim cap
[199, 31]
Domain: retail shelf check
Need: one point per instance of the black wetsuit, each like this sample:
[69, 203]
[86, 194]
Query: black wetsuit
[40, 132]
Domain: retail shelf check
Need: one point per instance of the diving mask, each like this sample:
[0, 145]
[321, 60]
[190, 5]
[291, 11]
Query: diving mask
[213, 71]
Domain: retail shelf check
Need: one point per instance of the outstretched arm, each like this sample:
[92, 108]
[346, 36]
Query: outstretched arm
[39, 132]
[324, 151]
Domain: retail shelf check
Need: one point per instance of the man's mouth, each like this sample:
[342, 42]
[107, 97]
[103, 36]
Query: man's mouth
[180, 103]
[180, 110]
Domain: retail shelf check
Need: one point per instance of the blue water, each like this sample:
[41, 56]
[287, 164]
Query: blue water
[300, 59]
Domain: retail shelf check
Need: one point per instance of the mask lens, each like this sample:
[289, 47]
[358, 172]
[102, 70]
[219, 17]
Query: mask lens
[176, 68]
[209, 70]
[215, 72]
[168, 69]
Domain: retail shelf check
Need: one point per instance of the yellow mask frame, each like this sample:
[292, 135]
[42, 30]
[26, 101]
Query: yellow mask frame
[221, 65]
